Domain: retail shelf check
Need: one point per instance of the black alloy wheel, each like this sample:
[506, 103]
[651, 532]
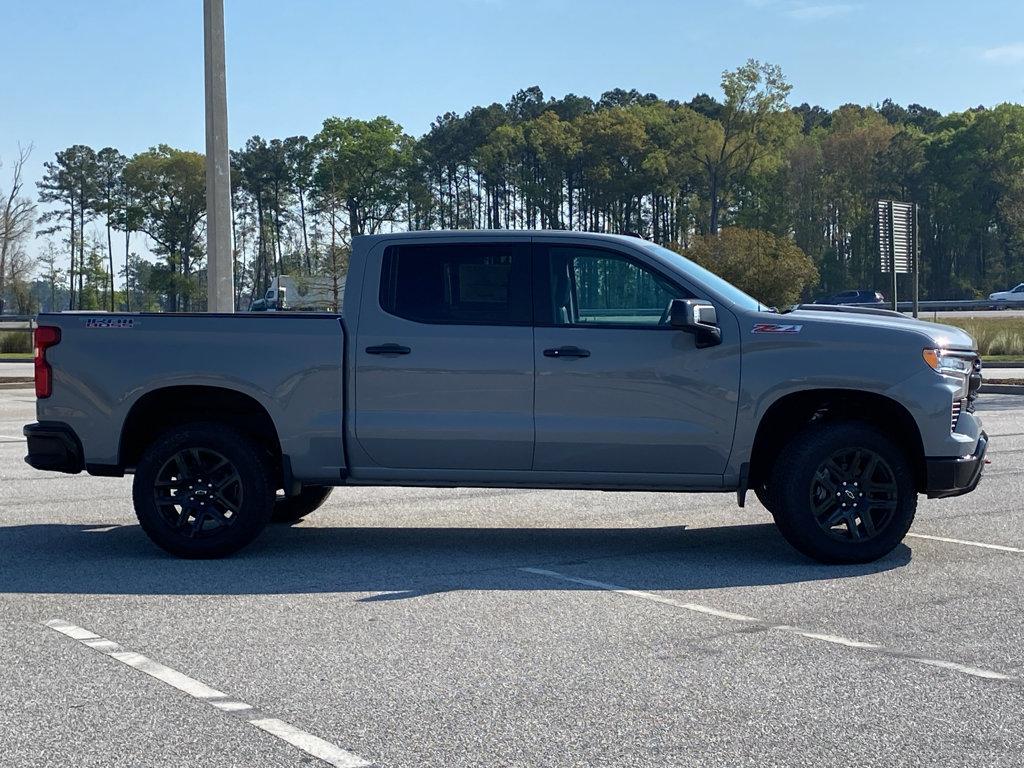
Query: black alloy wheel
[198, 491]
[204, 490]
[842, 492]
[854, 494]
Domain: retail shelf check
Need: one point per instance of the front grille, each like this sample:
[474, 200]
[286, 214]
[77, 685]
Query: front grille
[955, 416]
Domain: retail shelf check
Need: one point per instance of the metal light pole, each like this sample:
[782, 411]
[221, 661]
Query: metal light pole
[220, 282]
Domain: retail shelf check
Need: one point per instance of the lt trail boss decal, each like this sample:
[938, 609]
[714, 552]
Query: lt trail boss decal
[110, 322]
[776, 328]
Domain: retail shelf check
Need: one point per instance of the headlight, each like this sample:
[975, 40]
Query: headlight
[947, 363]
[952, 365]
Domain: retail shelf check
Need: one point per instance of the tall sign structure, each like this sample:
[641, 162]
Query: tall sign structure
[898, 243]
[220, 282]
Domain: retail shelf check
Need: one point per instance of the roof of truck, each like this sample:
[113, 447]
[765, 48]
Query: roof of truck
[498, 234]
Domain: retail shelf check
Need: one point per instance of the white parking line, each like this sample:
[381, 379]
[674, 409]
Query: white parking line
[304, 741]
[986, 545]
[308, 743]
[827, 638]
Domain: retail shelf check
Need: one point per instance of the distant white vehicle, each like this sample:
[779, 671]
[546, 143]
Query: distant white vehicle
[1015, 294]
[302, 293]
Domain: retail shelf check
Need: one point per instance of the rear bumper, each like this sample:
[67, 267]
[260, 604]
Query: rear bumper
[950, 477]
[53, 446]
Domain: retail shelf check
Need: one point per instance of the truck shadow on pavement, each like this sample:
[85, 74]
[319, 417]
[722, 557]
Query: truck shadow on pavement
[395, 563]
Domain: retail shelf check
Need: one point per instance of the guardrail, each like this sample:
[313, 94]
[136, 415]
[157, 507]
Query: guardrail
[17, 321]
[16, 334]
[943, 305]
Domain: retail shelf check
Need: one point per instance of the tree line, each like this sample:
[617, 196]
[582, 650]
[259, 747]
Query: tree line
[793, 182]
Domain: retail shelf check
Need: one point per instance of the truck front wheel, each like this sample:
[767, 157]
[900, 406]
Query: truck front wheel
[842, 492]
[203, 490]
[764, 495]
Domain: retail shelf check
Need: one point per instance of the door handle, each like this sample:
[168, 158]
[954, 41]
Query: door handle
[388, 349]
[566, 352]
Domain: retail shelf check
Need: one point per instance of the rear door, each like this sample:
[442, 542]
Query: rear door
[618, 390]
[444, 356]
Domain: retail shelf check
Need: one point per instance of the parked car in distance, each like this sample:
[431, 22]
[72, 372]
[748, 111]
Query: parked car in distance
[854, 296]
[302, 294]
[557, 360]
[1015, 294]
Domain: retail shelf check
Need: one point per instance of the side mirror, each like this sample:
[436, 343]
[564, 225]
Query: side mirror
[698, 318]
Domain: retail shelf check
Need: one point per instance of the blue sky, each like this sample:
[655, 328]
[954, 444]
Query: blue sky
[129, 73]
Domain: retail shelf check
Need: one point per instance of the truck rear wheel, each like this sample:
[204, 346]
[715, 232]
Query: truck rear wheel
[291, 509]
[842, 492]
[203, 490]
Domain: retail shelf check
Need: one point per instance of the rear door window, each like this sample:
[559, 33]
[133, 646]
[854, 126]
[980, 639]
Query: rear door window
[459, 284]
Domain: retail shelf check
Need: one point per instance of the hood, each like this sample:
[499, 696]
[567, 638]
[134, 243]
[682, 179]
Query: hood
[936, 334]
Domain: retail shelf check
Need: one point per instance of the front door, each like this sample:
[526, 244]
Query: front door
[444, 357]
[618, 389]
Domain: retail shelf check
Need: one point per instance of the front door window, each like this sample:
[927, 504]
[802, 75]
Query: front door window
[591, 287]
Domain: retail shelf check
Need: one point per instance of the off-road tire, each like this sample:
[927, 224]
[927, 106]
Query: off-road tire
[801, 478]
[764, 496]
[172, 490]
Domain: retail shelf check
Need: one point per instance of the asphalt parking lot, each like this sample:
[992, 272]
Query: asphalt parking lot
[496, 627]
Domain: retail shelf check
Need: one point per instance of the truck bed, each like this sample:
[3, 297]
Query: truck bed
[291, 364]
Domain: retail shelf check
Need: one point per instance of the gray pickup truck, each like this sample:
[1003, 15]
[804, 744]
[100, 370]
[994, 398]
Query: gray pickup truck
[515, 359]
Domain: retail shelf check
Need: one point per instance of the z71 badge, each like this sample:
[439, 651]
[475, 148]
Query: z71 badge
[776, 328]
[110, 322]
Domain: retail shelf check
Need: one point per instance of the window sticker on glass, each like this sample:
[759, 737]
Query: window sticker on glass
[484, 283]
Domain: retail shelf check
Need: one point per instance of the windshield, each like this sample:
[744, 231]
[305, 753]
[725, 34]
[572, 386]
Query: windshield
[723, 288]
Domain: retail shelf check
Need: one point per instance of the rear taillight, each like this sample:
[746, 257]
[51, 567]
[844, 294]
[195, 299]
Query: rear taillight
[45, 337]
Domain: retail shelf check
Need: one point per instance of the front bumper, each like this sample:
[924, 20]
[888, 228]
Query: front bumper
[950, 477]
[53, 446]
